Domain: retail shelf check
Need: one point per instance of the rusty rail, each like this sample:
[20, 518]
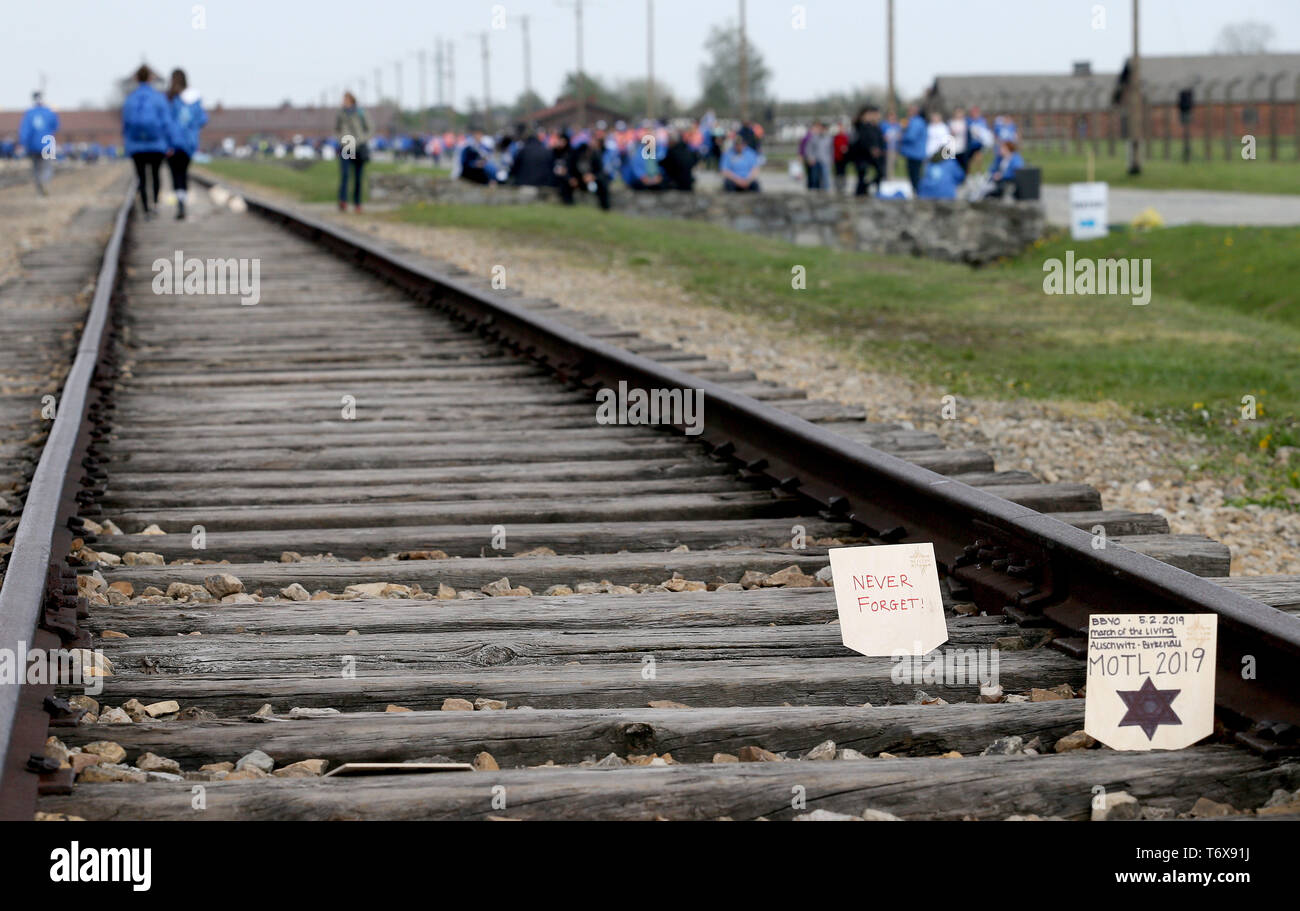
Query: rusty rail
[38, 603]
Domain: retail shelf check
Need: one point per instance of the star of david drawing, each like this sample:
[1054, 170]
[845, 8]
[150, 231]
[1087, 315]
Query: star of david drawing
[1148, 708]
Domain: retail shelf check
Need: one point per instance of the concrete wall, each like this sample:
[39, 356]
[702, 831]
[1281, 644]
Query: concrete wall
[953, 231]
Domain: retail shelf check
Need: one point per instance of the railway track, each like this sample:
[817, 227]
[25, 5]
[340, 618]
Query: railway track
[378, 502]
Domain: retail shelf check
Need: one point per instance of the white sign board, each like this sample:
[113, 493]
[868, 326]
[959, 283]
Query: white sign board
[1150, 680]
[1088, 210]
[888, 599]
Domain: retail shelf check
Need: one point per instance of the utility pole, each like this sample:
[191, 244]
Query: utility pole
[451, 75]
[582, 82]
[487, 92]
[439, 64]
[397, 71]
[379, 85]
[744, 68]
[1135, 108]
[582, 79]
[528, 57]
[889, 58]
[650, 59]
[422, 56]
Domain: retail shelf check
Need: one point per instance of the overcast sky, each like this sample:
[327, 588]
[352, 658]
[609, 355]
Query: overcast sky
[256, 52]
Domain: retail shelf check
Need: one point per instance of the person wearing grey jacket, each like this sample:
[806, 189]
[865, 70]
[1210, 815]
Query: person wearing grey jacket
[819, 156]
[353, 130]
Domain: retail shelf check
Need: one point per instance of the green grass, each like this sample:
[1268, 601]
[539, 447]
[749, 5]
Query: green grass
[1258, 176]
[315, 181]
[1223, 321]
[1248, 270]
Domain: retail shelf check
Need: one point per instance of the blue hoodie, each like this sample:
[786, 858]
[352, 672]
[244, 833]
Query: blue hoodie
[38, 123]
[913, 142]
[146, 121]
[742, 163]
[636, 168]
[187, 118]
[1006, 168]
[940, 179]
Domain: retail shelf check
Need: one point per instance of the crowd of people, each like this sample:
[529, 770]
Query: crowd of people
[652, 157]
[940, 153]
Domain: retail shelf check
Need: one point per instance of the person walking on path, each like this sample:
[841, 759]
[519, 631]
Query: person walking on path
[36, 134]
[146, 135]
[353, 130]
[188, 117]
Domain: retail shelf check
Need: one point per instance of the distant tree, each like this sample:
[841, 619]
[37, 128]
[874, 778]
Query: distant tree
[720, 74]
[631, 95]
[1244, 38]
[575, 86]
[835, 104]
[526, 103]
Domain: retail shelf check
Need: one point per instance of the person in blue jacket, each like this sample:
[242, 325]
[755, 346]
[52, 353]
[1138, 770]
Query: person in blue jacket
[146, 134]
[36, 135]
[1003, 170]
[187, 118]
[739, 167]
[912, 144]
[940, 178]
[640, 172]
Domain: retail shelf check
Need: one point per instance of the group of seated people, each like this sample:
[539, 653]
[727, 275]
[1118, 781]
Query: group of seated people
[650, 159]
[941, 153]
[942, 174]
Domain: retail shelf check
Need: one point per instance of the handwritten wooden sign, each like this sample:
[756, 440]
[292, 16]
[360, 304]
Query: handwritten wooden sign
[888, 599]
[1150, 679]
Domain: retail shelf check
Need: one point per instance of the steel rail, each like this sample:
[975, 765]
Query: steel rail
[1004, 556]
[36, 568]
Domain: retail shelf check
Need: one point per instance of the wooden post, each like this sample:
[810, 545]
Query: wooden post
[1135, 100]
[744, 68]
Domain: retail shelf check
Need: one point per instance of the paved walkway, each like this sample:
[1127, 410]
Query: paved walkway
[1181, 207]
[1176, 207]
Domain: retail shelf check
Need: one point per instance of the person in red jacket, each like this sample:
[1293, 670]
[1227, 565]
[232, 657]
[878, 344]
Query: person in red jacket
[840, 149]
